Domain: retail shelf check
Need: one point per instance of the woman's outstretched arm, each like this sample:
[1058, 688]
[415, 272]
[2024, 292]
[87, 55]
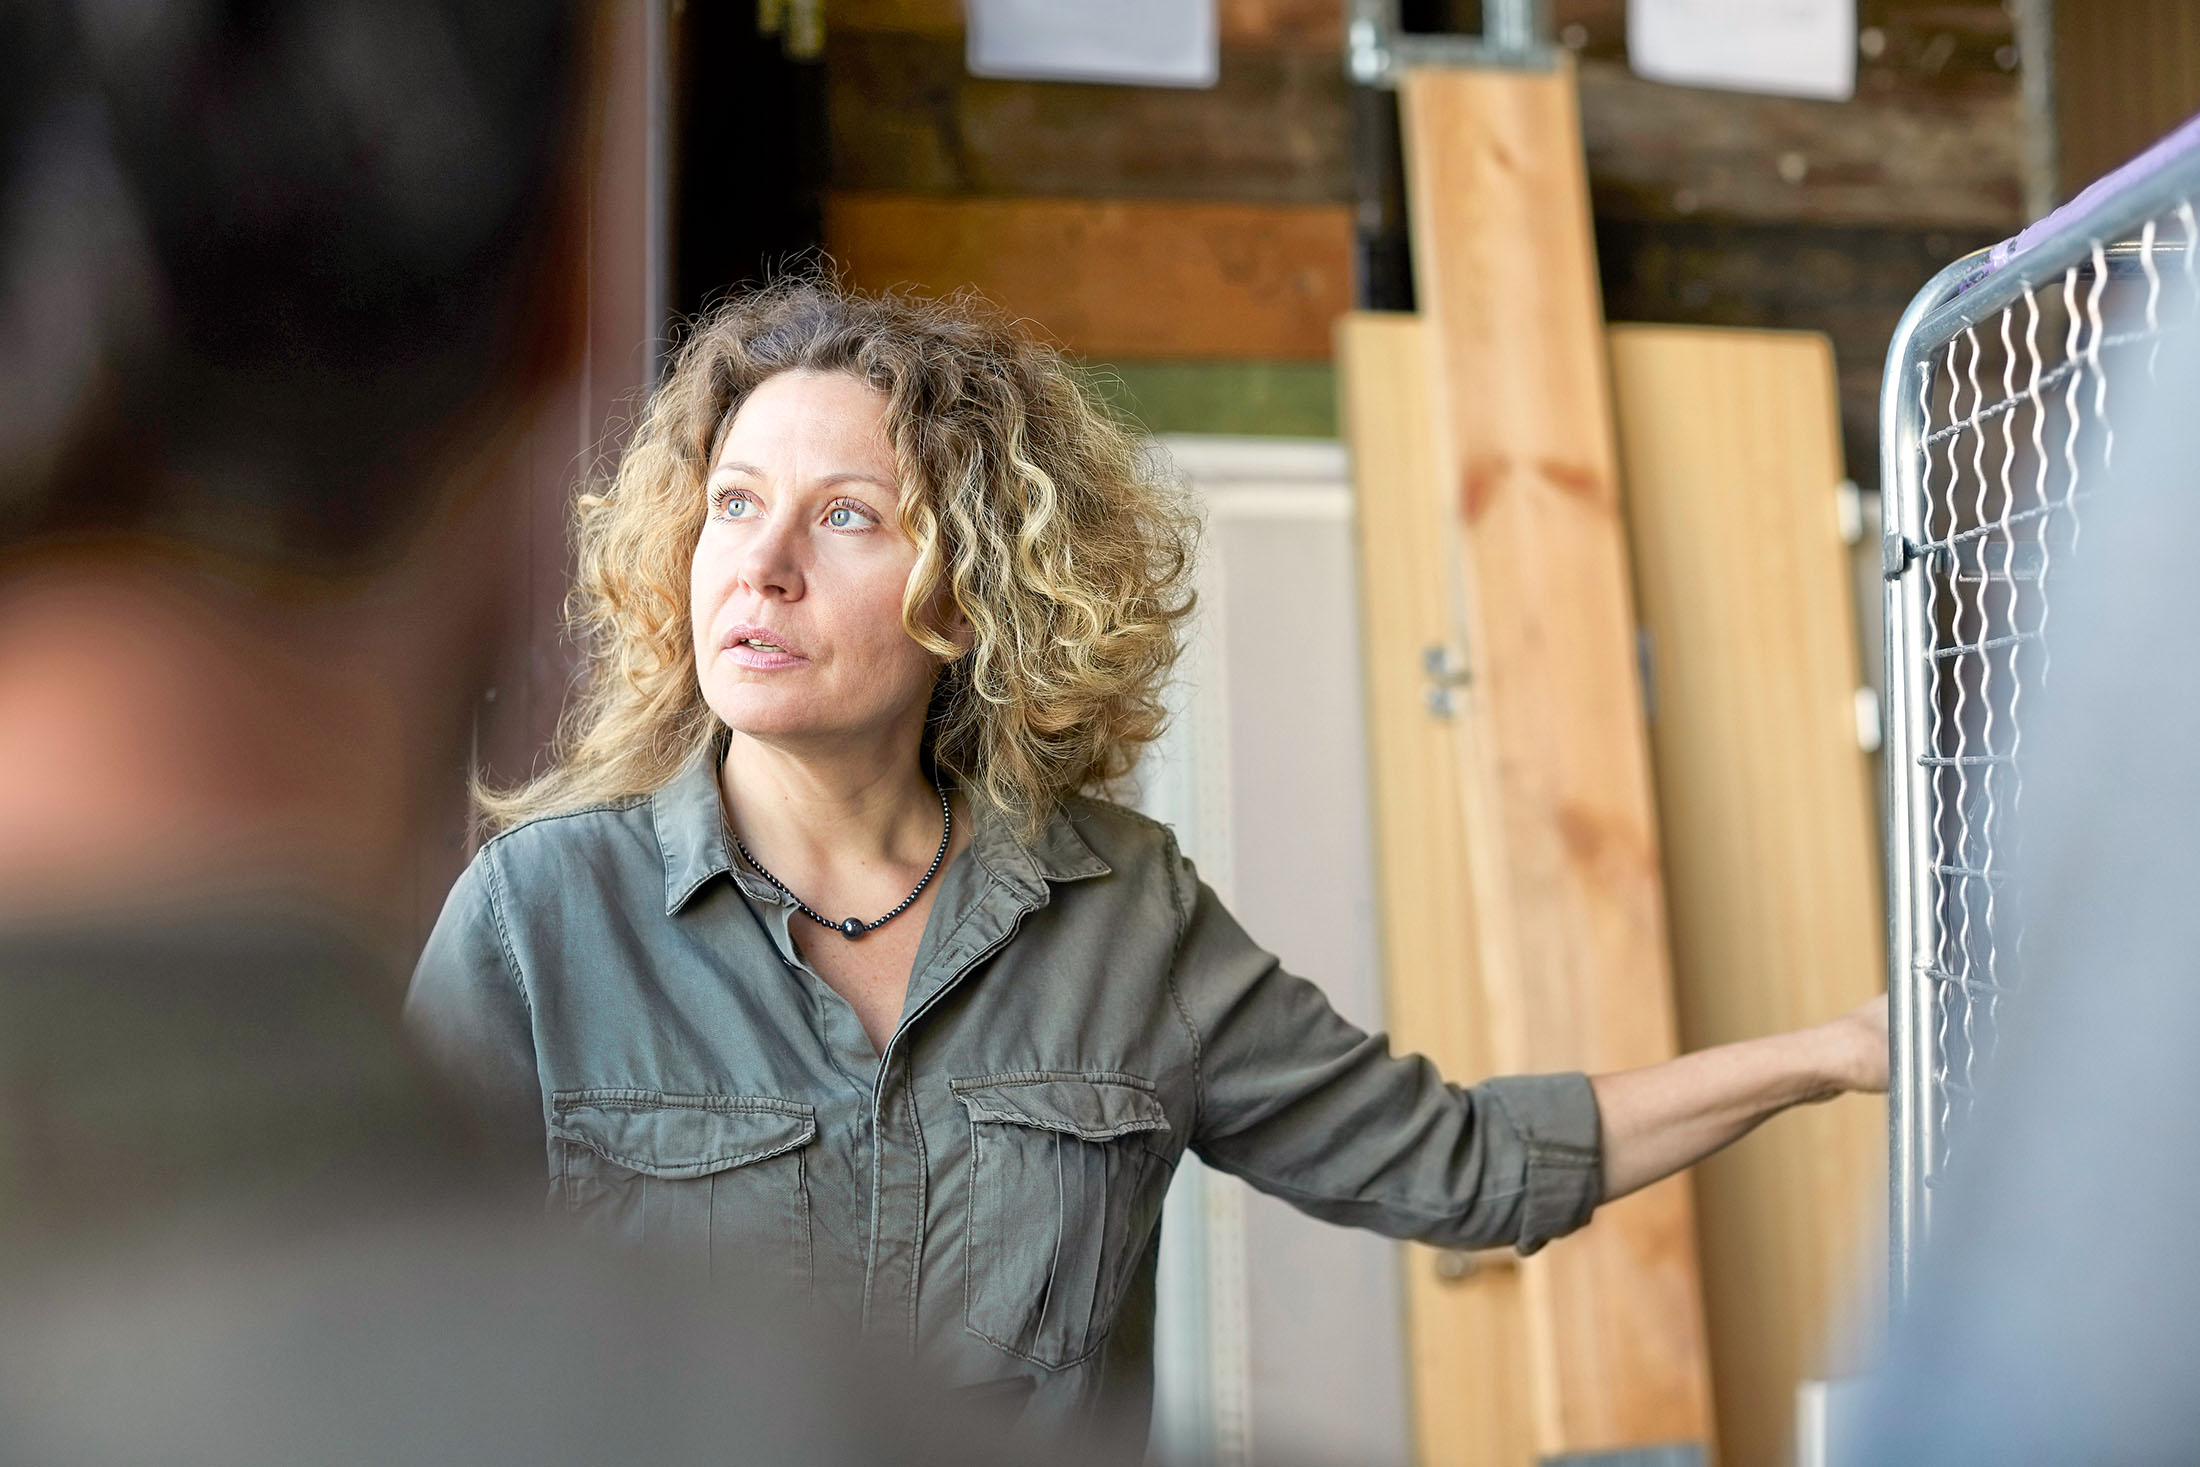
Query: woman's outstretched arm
[1664, 1118]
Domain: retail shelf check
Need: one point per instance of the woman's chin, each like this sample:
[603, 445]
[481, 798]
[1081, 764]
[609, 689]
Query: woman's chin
[769, 713]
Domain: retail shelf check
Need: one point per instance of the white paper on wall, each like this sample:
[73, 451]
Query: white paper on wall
[1799, 48]
[1164, 43]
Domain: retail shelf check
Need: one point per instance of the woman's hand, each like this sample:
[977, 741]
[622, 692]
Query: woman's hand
[1856, 1049]
[1663, 1118]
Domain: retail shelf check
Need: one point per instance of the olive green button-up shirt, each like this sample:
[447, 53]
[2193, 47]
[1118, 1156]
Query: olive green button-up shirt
[622, 990]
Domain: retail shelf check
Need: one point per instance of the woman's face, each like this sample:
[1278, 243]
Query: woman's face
[798, 577]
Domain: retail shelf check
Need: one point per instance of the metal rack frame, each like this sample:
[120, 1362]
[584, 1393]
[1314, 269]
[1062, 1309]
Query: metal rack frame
[2119, 267]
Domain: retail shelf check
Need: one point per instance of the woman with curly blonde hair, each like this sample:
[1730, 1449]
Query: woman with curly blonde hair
[813, 959]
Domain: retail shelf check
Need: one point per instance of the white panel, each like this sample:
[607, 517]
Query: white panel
[1168, 43]
[1303, 1322]
[1803, 48]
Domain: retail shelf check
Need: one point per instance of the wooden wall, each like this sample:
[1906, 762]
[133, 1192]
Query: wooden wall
[1135, 223]
[1725, 209]
[1714, 208]
[2124, 75]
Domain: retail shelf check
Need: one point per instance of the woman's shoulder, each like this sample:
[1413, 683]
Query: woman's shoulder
[585, 834]
[1127, 839]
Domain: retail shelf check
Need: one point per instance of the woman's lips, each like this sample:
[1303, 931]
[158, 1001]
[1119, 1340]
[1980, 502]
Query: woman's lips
[764, 658]
[761, 648]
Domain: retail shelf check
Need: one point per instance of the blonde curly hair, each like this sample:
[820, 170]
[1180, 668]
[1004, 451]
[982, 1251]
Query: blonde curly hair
[1035, 513]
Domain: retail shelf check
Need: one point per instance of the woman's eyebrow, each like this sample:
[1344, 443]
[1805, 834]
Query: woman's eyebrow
[841, 476]
[857, 476]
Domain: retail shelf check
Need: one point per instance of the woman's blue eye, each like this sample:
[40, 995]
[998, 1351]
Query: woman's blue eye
[844, 518]
[735, 506]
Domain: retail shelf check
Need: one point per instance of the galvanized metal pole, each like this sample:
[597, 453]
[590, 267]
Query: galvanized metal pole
[1515, 26]
[2035, 26]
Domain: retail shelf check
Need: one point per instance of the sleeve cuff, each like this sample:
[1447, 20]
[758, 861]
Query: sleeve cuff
[1561, 1131]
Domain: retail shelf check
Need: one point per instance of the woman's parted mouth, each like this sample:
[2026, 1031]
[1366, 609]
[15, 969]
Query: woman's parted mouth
[761, 640]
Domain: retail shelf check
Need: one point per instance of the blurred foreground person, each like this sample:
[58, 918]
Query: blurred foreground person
[281, 288]
[2055, 1314]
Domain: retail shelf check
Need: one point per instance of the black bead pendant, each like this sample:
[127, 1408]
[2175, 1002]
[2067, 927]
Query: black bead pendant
[852, 928]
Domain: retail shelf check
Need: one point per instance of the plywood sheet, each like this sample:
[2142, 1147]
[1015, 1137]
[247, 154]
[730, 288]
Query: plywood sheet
[1731, 452]
[1466, 1332]
[1117, 278]
[1553, 764]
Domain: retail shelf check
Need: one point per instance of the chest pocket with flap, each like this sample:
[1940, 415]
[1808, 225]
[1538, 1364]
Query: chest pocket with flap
[1065, 1190]
[716, 1180]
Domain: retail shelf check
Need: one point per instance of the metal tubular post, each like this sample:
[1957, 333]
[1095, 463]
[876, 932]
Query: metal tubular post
[1513, 25]
[1909, 911]
[1377, 48]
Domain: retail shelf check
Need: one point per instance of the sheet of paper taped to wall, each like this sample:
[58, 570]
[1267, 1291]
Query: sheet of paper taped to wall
[1167, 43]
[1801, 48]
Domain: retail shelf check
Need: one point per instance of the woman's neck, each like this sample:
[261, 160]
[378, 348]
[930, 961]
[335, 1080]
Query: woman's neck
[811, 813]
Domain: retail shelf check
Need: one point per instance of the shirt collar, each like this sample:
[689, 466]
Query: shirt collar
[692, 837]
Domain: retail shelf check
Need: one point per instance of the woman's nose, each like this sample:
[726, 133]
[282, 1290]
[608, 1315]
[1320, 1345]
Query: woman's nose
[769, 560]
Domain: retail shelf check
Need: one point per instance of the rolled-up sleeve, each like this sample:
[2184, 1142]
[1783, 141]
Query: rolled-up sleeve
[1309, 1108]
[468, 1009]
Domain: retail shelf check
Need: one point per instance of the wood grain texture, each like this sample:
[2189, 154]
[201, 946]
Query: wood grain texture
[1852, 284]
[2124, 75]
[1121, 278]
[1307, 25]
[1915, 159]
[1465, 1335]
[1277, 127]
[1248, 398]
[1730, 452]
[905, 116]
[1555, 778]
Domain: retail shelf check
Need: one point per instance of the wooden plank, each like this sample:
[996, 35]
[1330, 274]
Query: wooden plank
[1730, 452]
[1277, 127]
[1466, 1332]
[1306, 25]
[906, 117]
[1119, 278]
[1943, 45]
[2124, 75]
[1661, 151]
[1937, 47]
[1241, 398]
[1851, 284]
[1555, 779]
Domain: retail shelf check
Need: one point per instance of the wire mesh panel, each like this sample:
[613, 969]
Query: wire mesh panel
[1999, 427]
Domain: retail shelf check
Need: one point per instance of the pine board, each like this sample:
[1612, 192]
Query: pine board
[1465, 1335]
[1554, 769]
[1731, 452]
[1117, 278]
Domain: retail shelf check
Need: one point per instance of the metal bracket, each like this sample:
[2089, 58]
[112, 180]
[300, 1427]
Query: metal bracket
[1457, 1265]
[1871, 730]
[1896, 554]
[1515, 33]
[1445, 668]
[1848, 511]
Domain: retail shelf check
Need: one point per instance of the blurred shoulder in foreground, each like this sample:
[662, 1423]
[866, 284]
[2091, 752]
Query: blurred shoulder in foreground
[281, 289]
